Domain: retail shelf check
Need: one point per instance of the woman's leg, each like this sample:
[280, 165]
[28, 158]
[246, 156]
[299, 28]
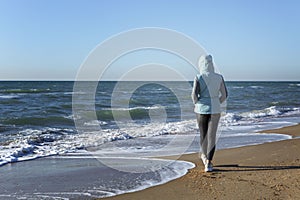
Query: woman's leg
[211, 135]
[202, 121]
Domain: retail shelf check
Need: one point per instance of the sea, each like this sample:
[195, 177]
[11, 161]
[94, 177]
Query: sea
[137, 121]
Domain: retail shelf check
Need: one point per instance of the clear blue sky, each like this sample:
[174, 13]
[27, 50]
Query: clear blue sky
[250, 40]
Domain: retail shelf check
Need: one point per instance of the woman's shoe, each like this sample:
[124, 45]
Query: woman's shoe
[204, 159]
[208, 167]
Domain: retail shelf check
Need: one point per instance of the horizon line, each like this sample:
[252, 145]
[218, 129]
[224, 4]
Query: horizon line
[110, 80]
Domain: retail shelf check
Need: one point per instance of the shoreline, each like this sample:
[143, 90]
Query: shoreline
[264, 171]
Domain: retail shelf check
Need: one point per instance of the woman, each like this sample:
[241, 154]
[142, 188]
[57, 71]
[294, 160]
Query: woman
[209, 91]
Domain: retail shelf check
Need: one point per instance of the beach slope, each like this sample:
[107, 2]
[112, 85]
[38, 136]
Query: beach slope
[265, 171]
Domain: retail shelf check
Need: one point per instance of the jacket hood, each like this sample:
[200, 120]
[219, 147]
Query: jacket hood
[206, 65]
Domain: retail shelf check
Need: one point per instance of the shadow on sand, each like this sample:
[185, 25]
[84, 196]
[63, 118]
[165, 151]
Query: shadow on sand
[242, 168]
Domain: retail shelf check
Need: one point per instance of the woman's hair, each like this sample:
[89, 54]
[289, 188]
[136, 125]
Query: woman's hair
[206, 64]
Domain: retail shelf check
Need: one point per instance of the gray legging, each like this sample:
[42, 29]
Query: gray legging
[208, 125]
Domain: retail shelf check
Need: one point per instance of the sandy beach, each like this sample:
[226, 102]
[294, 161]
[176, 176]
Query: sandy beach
[265, 171]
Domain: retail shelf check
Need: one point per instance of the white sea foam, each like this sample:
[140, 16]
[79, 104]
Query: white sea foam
[271, 111]
[253, 116]
[32, 144]
[8, 96]
[73, 117]
[95, 122]
[231, 119]
[173, 171]
[294, 84]
[256, 87]
[134, 108]
[71, 93]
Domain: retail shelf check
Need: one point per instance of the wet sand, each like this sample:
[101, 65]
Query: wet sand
[77, 177]
[265, 171]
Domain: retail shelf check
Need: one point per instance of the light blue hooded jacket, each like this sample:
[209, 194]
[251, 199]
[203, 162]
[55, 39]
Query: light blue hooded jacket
[209, 89]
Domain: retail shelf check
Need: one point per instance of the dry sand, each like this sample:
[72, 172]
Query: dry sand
[266, 171]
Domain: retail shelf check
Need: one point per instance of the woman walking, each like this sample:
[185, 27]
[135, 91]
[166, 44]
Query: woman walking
[209, 91]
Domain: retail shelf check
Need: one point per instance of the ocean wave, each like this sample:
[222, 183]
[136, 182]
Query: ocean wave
[256, 87]
[72, 93]
[139, 112]
[35, 143]
[130, 131]
[32, 143]
[245, 117]
[273, 111]
[38, 120]
[9, 96]
[134, 108]
[231, 119]
[295, 84]
[20, 91]
[95, 122]
[270, 111]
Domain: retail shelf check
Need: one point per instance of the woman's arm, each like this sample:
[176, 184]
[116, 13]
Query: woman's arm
[223, 90]
[195, 91]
